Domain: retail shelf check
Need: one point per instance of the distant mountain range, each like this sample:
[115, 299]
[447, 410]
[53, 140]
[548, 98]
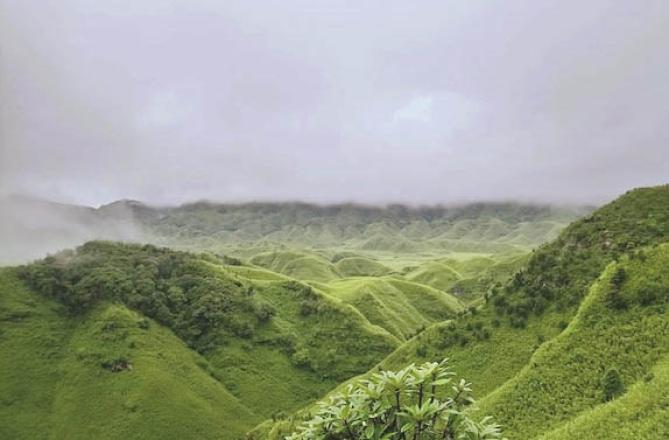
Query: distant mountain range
[30, 228]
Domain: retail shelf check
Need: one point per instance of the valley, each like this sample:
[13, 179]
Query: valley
[232, 321]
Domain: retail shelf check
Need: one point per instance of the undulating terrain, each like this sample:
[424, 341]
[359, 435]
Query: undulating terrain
[230, 321]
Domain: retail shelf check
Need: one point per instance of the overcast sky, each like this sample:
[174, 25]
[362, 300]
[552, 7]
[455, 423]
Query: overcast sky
[370, 101]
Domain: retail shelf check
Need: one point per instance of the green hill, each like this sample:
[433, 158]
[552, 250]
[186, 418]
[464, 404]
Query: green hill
[570, 340]
[189, 337]
[400, 307]
[479, 227]
[620, 325]
[434, 274]
[57, 380]
[539, 347]
[360, 266]
[300, 265]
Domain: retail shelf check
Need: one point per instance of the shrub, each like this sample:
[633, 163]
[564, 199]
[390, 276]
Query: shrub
[619, 278]
[417, 402]
[301, 358]
[612, 384]
[264, 311]
[615, 300]
[116, 365]
[421, 351]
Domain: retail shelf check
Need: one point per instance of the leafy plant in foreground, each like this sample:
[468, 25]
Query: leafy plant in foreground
[416, 403]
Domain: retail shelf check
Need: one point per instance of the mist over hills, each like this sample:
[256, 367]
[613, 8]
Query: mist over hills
[30, 228]
[239, 338]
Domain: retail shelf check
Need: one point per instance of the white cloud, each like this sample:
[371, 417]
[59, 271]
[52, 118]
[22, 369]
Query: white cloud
[418, 109]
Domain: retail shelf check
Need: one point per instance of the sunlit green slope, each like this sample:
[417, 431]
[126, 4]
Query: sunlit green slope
[539, 346]
[203, 340]
[57, 380]
[621, 324]
[641, 413]
[399, 306]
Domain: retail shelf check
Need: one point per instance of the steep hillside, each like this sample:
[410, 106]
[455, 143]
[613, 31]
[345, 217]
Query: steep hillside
[541, 345]
[263, 346]
[621, 325]
[642, 412]
[111, 373]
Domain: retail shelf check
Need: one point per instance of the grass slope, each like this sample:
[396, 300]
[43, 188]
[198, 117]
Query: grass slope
[295, 264]
[401, 307]
[265, 346]
[514, 348]
[361, 266]
[641, 413]
[434, 274]
[54, 386]
[564, 377]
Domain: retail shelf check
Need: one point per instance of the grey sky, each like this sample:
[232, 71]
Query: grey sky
[372, 101]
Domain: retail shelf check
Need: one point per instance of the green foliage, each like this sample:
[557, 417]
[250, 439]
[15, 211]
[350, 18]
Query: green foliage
[68, 377]
[570, 374]
[559, 274]
[175, 288]
[612, 384]
[640, 413]
[418, 402]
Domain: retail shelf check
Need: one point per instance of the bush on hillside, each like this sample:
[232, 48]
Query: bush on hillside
[612, 384]
[418, 402]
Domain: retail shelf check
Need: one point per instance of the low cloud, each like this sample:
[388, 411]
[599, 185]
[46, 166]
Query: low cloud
[419, 102]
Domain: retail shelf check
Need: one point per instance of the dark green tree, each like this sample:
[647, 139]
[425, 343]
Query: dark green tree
[612, 384]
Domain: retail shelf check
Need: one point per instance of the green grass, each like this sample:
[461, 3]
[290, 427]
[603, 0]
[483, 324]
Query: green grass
[300, 265]
[360, 266]
[53, 384]
[641, 413]
[434, 274]
[265, 343]
[537, 348]
[325, 301]
[563, 378]
[400, 307]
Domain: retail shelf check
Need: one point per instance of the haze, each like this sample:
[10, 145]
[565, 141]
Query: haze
[378, 101]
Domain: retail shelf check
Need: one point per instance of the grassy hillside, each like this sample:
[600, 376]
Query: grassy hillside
[540, 345]
[434, 274]
[262, 346]
[58, 379]
[297, 264]
[399, 306]
[361, 266]
[621, 325]
[642, 412]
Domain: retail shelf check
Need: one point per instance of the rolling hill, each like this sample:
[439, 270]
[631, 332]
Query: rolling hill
[588, 305]
[558, 340]
[166, 335]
